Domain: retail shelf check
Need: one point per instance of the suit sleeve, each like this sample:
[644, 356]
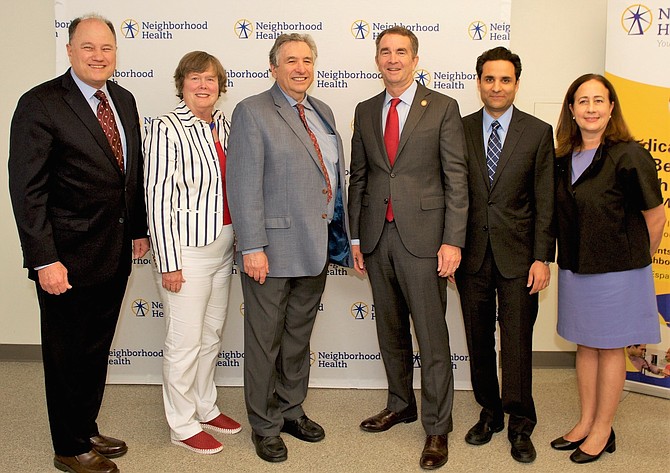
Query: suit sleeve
[455, 173]
[245, 178]
[139, 210]
[161, 153]
[30, 148]
[544, 248]
[358, 177]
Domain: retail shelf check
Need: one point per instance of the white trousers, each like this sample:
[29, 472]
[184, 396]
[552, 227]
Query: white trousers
[194, 319]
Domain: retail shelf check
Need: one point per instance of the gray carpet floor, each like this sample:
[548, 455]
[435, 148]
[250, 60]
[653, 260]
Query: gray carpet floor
[135, 413]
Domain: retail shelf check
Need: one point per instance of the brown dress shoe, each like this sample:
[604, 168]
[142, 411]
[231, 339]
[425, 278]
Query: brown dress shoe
[90, 462]
[435, 452]
[108, 446]
[387, 419]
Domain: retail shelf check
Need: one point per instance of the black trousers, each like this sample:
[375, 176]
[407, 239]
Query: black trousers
[516, 314]
[77, 331]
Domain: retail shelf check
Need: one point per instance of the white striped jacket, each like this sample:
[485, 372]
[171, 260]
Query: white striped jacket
[182, 180]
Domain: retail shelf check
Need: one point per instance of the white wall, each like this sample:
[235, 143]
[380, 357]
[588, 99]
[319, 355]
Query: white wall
[557, 41]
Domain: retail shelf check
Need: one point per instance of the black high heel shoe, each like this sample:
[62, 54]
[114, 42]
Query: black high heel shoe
[561, 444]
[580, 457]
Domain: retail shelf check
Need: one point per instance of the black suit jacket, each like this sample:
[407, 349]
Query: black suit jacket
[516, 212]
[427, 182]
[71, 202]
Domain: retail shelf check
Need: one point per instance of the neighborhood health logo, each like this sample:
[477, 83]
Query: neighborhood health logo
[131, 28]
[495, 31]
[636, 19]
[245, 29]
[360, 29]
[422, 76]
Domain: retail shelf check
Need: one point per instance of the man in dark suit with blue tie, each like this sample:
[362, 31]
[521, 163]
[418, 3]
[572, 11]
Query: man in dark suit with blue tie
[510, 242]
[75, 178]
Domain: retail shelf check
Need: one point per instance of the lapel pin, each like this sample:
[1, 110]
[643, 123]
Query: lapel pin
[424, 103]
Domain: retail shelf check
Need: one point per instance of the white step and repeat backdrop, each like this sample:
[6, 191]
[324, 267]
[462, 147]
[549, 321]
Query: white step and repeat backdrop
[153, 35]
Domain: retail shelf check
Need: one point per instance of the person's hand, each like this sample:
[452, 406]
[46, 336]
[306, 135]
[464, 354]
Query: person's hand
[140, 247]
[538, 277]
[53, 278]
[448, 259]
[173, 280]
[256, 265]
[359, 263]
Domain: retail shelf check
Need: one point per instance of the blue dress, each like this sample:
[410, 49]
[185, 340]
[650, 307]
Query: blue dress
[606, 310]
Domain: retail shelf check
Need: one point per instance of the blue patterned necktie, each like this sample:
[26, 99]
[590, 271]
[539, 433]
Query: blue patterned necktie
[493, 150]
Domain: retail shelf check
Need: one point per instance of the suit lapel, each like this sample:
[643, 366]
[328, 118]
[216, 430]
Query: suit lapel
[376, 115]
[79, 105]
[419, 105]
[511, 139]
[475, 130]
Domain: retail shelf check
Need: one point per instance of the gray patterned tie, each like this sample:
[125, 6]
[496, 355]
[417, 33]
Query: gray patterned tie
[493, 150]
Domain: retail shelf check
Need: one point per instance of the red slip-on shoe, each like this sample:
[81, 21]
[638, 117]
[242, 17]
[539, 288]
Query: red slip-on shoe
[201, 442]
[223, 424]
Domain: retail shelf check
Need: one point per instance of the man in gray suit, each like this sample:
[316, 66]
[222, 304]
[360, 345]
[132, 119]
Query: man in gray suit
[285, 175]
[509, 246]
[408, 206]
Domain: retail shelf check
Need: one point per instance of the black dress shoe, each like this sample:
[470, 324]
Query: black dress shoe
[108, 446]
[387, 419]
[522, 448]
[435, 452]
[578, 456]
[481, 432]
[89, 462]
[271, 449]
[561, 444]
[304, 428]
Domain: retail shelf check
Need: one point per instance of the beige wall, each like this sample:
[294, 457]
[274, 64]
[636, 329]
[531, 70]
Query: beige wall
[555, 44]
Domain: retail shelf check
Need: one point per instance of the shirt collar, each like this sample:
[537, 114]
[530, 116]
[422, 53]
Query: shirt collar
[406, 97]
[504, 119]
[293, 102]
[86, 89]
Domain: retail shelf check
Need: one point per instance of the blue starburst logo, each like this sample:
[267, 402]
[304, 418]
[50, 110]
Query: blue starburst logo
[130, 28]
[140, 307]
[360, 29]
[416, 359]
[423, 77]
[477, 30]
[359, 310]
[243, 28]
[636, 20]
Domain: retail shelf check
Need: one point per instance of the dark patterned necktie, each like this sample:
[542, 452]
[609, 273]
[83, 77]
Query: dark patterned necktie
[391, 141]
[301, 112]
[493, 150]
[108, 124]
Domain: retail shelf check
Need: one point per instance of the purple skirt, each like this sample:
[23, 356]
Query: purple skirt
[609, 310]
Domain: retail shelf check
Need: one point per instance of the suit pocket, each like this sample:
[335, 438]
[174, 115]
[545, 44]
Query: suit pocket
[71, 224]
[432, 203]
[278, 222]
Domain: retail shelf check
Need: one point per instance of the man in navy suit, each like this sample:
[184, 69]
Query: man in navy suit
[510, 242]
[79, 208]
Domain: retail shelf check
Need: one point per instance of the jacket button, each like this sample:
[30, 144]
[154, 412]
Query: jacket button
[485, 228]
[324, 216]
[386, 201]
[324, 191]
[490, 203]
[392, 174]
[121, 220]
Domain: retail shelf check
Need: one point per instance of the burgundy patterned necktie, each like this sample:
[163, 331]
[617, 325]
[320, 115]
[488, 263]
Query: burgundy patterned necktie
[108, 124]
[391, 141]
[301, 112]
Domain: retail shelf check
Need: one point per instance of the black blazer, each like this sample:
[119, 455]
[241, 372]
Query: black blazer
[516, 212]
[71, 202]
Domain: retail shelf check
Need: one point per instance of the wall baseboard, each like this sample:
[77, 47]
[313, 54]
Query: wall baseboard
[541, 359]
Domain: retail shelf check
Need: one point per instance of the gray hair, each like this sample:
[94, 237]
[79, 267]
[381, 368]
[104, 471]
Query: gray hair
[287, 38]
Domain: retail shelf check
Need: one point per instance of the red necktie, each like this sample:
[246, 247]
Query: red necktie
[108, 124]
[391, 140]
[222, 164]
[301, 112]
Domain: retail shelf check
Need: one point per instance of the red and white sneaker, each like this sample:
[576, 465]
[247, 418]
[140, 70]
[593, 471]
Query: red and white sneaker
[201, 442]
[223, 424]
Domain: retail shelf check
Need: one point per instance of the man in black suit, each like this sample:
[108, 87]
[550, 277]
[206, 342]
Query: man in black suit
[408, 210]
[76, 187]
[510, 242]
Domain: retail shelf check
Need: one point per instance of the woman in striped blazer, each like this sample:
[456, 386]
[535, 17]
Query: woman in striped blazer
[192, 243]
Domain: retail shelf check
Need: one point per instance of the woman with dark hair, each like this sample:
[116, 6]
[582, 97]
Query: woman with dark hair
[610, 221]
[192, 245]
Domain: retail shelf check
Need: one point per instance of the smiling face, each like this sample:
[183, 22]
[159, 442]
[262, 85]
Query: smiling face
[201, 91]
[294, 71]
[592, 108]
[497, 86]
[396, 62]
[92, 52]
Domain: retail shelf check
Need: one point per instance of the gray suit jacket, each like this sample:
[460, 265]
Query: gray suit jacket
[427, 183]
[516, 212]
[275, 185]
